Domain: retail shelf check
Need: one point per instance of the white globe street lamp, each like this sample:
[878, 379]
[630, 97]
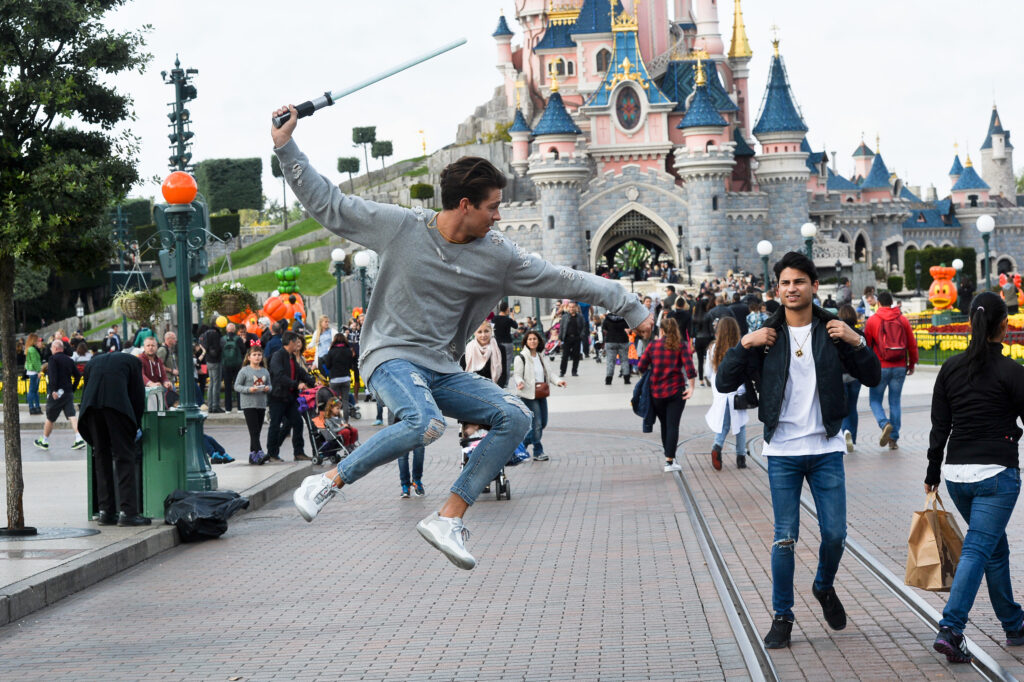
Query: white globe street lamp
[338, 257]
[985, 225]
[809, 230]
[764, 249]
[362, 260]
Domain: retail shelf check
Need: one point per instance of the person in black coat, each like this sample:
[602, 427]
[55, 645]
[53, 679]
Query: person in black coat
[111, 412]
[287, 378]
[339, 363]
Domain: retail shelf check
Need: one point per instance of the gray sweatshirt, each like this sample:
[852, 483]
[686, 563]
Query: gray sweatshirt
[246, 379]
[431, 295]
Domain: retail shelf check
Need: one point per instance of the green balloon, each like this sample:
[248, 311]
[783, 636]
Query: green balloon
[279, 273]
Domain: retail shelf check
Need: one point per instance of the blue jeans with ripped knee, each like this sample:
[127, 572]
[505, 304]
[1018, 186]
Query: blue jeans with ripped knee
[421, 398]
[826, 478]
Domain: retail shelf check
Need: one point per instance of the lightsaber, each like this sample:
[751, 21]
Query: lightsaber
[329, 98]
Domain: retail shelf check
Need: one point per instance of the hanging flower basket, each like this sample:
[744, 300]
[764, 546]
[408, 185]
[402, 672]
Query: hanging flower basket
[229, 298]
[140, 306]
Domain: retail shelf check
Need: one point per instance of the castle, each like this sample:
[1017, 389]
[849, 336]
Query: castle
[627, 125]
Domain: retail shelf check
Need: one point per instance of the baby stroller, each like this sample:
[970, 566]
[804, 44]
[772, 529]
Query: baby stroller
[328, 443]
[353, 407]
[554, 345]
[470, 436]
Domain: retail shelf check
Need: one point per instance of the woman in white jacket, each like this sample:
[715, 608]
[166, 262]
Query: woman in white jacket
[530, 369]
[723, 415]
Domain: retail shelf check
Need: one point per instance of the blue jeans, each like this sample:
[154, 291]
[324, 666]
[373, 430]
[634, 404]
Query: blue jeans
[827, 479]
[33, 392]
[540, 421]
[987, 506]
[741, 437]
[852, 389]
[417, 466]
[892, 378]
[421, 399]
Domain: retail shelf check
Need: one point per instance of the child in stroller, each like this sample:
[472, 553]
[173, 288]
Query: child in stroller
[332, 437]
[470, 436]
[554, 344]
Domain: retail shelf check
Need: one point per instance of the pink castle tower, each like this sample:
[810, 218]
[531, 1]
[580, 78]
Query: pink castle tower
[709, 37]
[652, 22]
[739, 61]
[503, 38]
[862, 158]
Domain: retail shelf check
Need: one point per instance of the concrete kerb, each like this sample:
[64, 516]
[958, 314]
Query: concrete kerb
[26, 596]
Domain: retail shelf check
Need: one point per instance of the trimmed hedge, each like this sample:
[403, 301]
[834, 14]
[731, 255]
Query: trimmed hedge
[231, 183]
[943, 255]
[894, 283]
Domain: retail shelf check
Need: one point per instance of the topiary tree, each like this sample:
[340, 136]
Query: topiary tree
[231, 183]
[381, 150]
[350, 165]
[363, 136]
[894, 283]
[421, 191]
[943, 255]
[275, 170]
[57, 180]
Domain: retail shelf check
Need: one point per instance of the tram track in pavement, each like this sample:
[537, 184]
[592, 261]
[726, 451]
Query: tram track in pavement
[756, 658]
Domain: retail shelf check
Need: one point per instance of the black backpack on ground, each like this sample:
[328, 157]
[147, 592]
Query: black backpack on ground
[201, 515]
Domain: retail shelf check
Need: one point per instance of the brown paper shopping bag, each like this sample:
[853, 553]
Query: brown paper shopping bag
[933, 548]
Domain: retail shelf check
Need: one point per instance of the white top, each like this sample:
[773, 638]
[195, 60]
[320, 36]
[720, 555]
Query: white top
[801, 430]
[538, 368]
[715, 417]
[971, 473]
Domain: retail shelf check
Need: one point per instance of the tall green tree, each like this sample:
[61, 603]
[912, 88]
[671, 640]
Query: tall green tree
[231, 183]
[350, 165]
[61, 163]
[275, 170]
[364, 136]
[381, 150]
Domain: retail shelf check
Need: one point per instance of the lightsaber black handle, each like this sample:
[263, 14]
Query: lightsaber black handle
[304, 109]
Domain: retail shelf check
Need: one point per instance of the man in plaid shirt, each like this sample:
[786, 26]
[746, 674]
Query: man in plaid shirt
[668, 357]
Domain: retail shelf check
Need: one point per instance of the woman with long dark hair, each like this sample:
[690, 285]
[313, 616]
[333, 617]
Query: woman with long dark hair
[978, 396]
[671, 367]
[723, 417]
[848, 314]
[531, 376]
[704, 334]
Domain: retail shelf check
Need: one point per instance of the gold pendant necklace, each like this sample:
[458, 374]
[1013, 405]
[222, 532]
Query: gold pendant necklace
[433, 224]
[800, 347]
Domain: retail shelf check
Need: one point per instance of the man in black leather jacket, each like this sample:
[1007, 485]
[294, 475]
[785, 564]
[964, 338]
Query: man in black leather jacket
[798, 359]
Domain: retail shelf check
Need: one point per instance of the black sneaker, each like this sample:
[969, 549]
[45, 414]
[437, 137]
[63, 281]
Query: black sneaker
[778, 636]
[741, 461]
[831, 608]
[607, 381]
[1015, 638]
[625, 380]
[954, 646]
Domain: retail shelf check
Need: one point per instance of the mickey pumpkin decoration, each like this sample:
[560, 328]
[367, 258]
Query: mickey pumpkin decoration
[942, 292]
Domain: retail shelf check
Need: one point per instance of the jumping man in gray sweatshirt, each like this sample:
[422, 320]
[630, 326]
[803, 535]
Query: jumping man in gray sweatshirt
[440, 274]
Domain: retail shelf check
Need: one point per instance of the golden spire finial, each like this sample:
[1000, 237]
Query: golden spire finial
[878, 143]
[774, 28]
[423, 141]
[625, 21]
[740, 46]
[700, 80]
[519, 85]
[956, 148]
[969, 163]
[553, 74]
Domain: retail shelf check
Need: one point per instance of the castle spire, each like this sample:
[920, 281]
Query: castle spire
[740, 46]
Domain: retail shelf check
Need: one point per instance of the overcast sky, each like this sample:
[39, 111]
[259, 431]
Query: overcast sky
[921, 73]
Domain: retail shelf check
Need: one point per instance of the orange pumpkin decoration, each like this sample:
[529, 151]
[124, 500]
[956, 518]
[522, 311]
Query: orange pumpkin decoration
[942, 292]
[284, 307]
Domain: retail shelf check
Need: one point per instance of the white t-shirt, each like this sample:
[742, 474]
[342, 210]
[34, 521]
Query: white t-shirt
[971, 473]
[801, 430]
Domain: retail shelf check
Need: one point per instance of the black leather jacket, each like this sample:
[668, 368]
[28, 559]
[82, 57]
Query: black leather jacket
[769, 368]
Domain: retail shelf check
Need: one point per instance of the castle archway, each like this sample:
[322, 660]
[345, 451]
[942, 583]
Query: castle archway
[632, 222]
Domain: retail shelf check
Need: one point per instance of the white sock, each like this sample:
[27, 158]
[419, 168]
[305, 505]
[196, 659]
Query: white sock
[44, 439]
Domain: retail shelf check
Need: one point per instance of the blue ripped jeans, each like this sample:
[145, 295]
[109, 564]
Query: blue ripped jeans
[826, 478]
[421, 399]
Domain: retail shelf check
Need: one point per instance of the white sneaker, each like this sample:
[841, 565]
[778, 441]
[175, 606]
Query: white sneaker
[849, 441]
[449, 536]
[669, 468]
[314, 493]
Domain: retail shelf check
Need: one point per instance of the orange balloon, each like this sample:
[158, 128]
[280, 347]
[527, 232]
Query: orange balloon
[179, 188]
[284, 307]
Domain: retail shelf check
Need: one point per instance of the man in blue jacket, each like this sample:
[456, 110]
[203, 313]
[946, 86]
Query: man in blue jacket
[799, 357]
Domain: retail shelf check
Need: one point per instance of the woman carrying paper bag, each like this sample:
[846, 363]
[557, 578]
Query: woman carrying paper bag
[978, 396]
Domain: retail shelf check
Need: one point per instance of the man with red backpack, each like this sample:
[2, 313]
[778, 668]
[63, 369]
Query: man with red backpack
[889, 335]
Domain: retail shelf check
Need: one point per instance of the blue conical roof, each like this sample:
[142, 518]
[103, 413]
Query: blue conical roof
[863, 150]
[519, 123]
[969, 179]
[503, 29]
[958, 167]
[779, 112]
[679, 82]
[837, 183]
[878, 176]
[702, 111]
[627, 64]
[555, 119]
[995, 127]
[595, 17]
[908, 195]
[742, 148]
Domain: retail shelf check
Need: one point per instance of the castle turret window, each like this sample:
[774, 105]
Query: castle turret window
[604, 59]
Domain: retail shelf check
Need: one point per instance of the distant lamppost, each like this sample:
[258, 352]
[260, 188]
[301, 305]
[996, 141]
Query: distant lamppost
[707, 252]
[167, 320]
[839, 271]
[809, 230]
[735, 259]
[985, 225]
[917, 271]
[958, 265]
[764, 249]
[362, 261]
[79, 312]
[197, 293]
[536, 301]
[338, 258]
[689, 272]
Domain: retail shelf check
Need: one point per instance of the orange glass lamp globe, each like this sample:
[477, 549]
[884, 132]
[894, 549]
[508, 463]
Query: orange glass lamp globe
[179, 188]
